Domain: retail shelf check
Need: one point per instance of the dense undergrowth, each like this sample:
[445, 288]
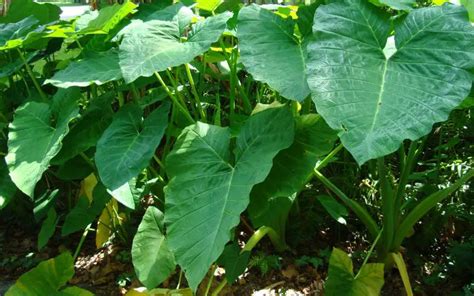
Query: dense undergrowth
[185, 133]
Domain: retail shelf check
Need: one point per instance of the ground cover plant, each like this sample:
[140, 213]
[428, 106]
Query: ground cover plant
[187, 133]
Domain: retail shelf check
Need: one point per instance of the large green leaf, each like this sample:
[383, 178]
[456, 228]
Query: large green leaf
[128, 144]
[20, 9]
[341, 279]
[47, 278]
[209, 186]
[209, 5]
[152, 259]
[12, 35]
[99, 68]
[155, 45]
[33, 140]
[271, 53]
[7, 188]
[374, 101]
[271, 200]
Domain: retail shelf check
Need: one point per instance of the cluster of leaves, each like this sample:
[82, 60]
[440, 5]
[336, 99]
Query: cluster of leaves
[147, 105]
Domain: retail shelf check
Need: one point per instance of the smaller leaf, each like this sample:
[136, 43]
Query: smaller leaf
[334, 208]
[153, 260]
[341, 280]
[399, 4]
[234, 261]
[44, 203]
[85, 212]
[47, 228]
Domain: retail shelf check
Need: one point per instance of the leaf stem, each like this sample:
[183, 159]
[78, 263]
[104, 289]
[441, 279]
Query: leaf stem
[32, 76]
[174, 99]
[195, 93]
[81, 242]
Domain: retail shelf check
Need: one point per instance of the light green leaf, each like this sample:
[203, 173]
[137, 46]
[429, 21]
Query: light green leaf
[12, 35]
[108, 18]
[341, 280]
[375, 103]
[99, 68]
[33, 140]
[154, 46]
[20, 9]
[128, 144]
[152, 259]
[334, 208]
[7, 187]
[271, 200]
[208, 189]
[209, 5]
[271, 53]
[399, 4]
[47, 228]
[46, 278]
[469, 5]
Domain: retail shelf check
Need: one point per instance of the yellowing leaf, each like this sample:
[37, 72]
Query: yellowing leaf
[87, 186]
[106, 223]
[440, 2]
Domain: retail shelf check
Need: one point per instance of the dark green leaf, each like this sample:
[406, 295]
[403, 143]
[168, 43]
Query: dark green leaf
[334, 208]
[47, 228]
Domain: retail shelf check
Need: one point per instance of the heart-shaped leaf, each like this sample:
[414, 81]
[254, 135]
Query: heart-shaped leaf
[341, 279]
[208, 189]
[374, 101]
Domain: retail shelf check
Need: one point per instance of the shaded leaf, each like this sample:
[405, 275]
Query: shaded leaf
[7, 187]
[47, 228]
[20, 9]
[233, 261]
[334, 208]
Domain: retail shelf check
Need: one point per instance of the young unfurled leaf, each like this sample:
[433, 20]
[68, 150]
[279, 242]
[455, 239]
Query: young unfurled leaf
[210, 185]
[152, 259]
[341, 279]
[376, 102]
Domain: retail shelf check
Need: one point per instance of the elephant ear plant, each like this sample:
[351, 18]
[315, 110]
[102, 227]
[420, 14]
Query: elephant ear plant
[199, 118]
